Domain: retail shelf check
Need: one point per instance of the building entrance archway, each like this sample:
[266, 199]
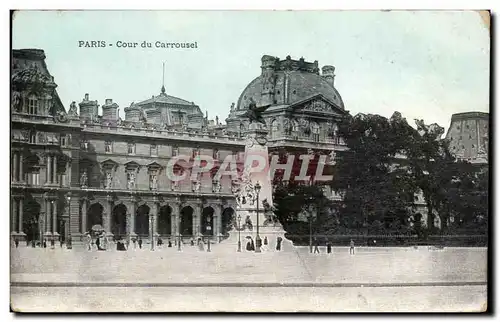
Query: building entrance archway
[207, 221]
[164, 221]
[142, 221]
[94, 215]
[119, 221]
[31, 217]
[227, 220]
[186, 226]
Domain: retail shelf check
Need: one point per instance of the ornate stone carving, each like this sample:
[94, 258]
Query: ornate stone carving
[72, 109]
[16, 101]
[109, 180]
[196, 185]
[154, 182]
[216, 186]
[84, 179]
[305, 125]
[131, 180]
[317, 106]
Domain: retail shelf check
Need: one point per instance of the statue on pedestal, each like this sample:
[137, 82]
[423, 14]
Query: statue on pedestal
[84, 179]
[254, 113]
[72, 109]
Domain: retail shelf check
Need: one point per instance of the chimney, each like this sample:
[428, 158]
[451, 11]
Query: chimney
[328, 73]
[109, 110]
[88, 108]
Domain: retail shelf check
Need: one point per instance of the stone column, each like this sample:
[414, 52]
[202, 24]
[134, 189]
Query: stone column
[217, 220]
[54, 169]
[154, 216]
[14, 215]
[49, 167]
[107, 216]
[84, 215]
[196, 220]
[14, 164]
[132, 219]
[174, 219]
[68, 174]
[55, 226]
[20, 223]
[48, 216]
[21, 171]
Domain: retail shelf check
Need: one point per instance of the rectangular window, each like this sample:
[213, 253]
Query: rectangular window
[63, 140]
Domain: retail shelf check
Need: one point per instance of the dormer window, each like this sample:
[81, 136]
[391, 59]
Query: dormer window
[107, 147]
[131, 148]
[33, 105]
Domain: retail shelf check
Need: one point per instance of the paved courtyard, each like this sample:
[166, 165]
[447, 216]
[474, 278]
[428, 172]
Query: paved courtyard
[373, 278]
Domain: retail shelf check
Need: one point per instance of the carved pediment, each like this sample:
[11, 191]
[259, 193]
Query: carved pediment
[318, 104]
[132, 165]
[109, 164]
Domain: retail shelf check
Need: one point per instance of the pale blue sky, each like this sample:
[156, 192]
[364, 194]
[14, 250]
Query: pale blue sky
[424, 64]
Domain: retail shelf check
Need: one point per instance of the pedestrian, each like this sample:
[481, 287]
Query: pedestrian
[351, 249]
[201, 245]
[328, 247]
[192, 242]
[44, 243]
[278, 243]
[61, 241]
[160, 241]
[16, 242]
[265, 240]
[52, 243]
[169, 243]
[89, 241]
[140, 243]
[134, 242]
[27, 242]
[316, 246]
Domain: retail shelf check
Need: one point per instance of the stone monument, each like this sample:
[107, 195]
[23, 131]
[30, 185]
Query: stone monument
[255, 206]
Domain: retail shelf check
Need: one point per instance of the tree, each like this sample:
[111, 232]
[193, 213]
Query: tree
[292, 199]
[374, 184]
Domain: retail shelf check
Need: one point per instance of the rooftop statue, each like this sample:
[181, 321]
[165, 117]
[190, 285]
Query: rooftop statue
[254, 113]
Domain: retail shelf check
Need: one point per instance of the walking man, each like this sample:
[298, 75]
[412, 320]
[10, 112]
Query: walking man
[351, 249]
[316, 248]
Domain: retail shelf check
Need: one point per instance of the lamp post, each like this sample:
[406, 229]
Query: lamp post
[311, 215]
[68, 229]
[257, 239]
[239, 233]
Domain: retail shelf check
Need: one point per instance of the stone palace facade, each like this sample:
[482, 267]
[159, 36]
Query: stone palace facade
[74, 169]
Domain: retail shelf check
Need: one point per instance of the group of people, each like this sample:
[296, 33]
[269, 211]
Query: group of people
[251, 245]
[37, 243]
[329, 247]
